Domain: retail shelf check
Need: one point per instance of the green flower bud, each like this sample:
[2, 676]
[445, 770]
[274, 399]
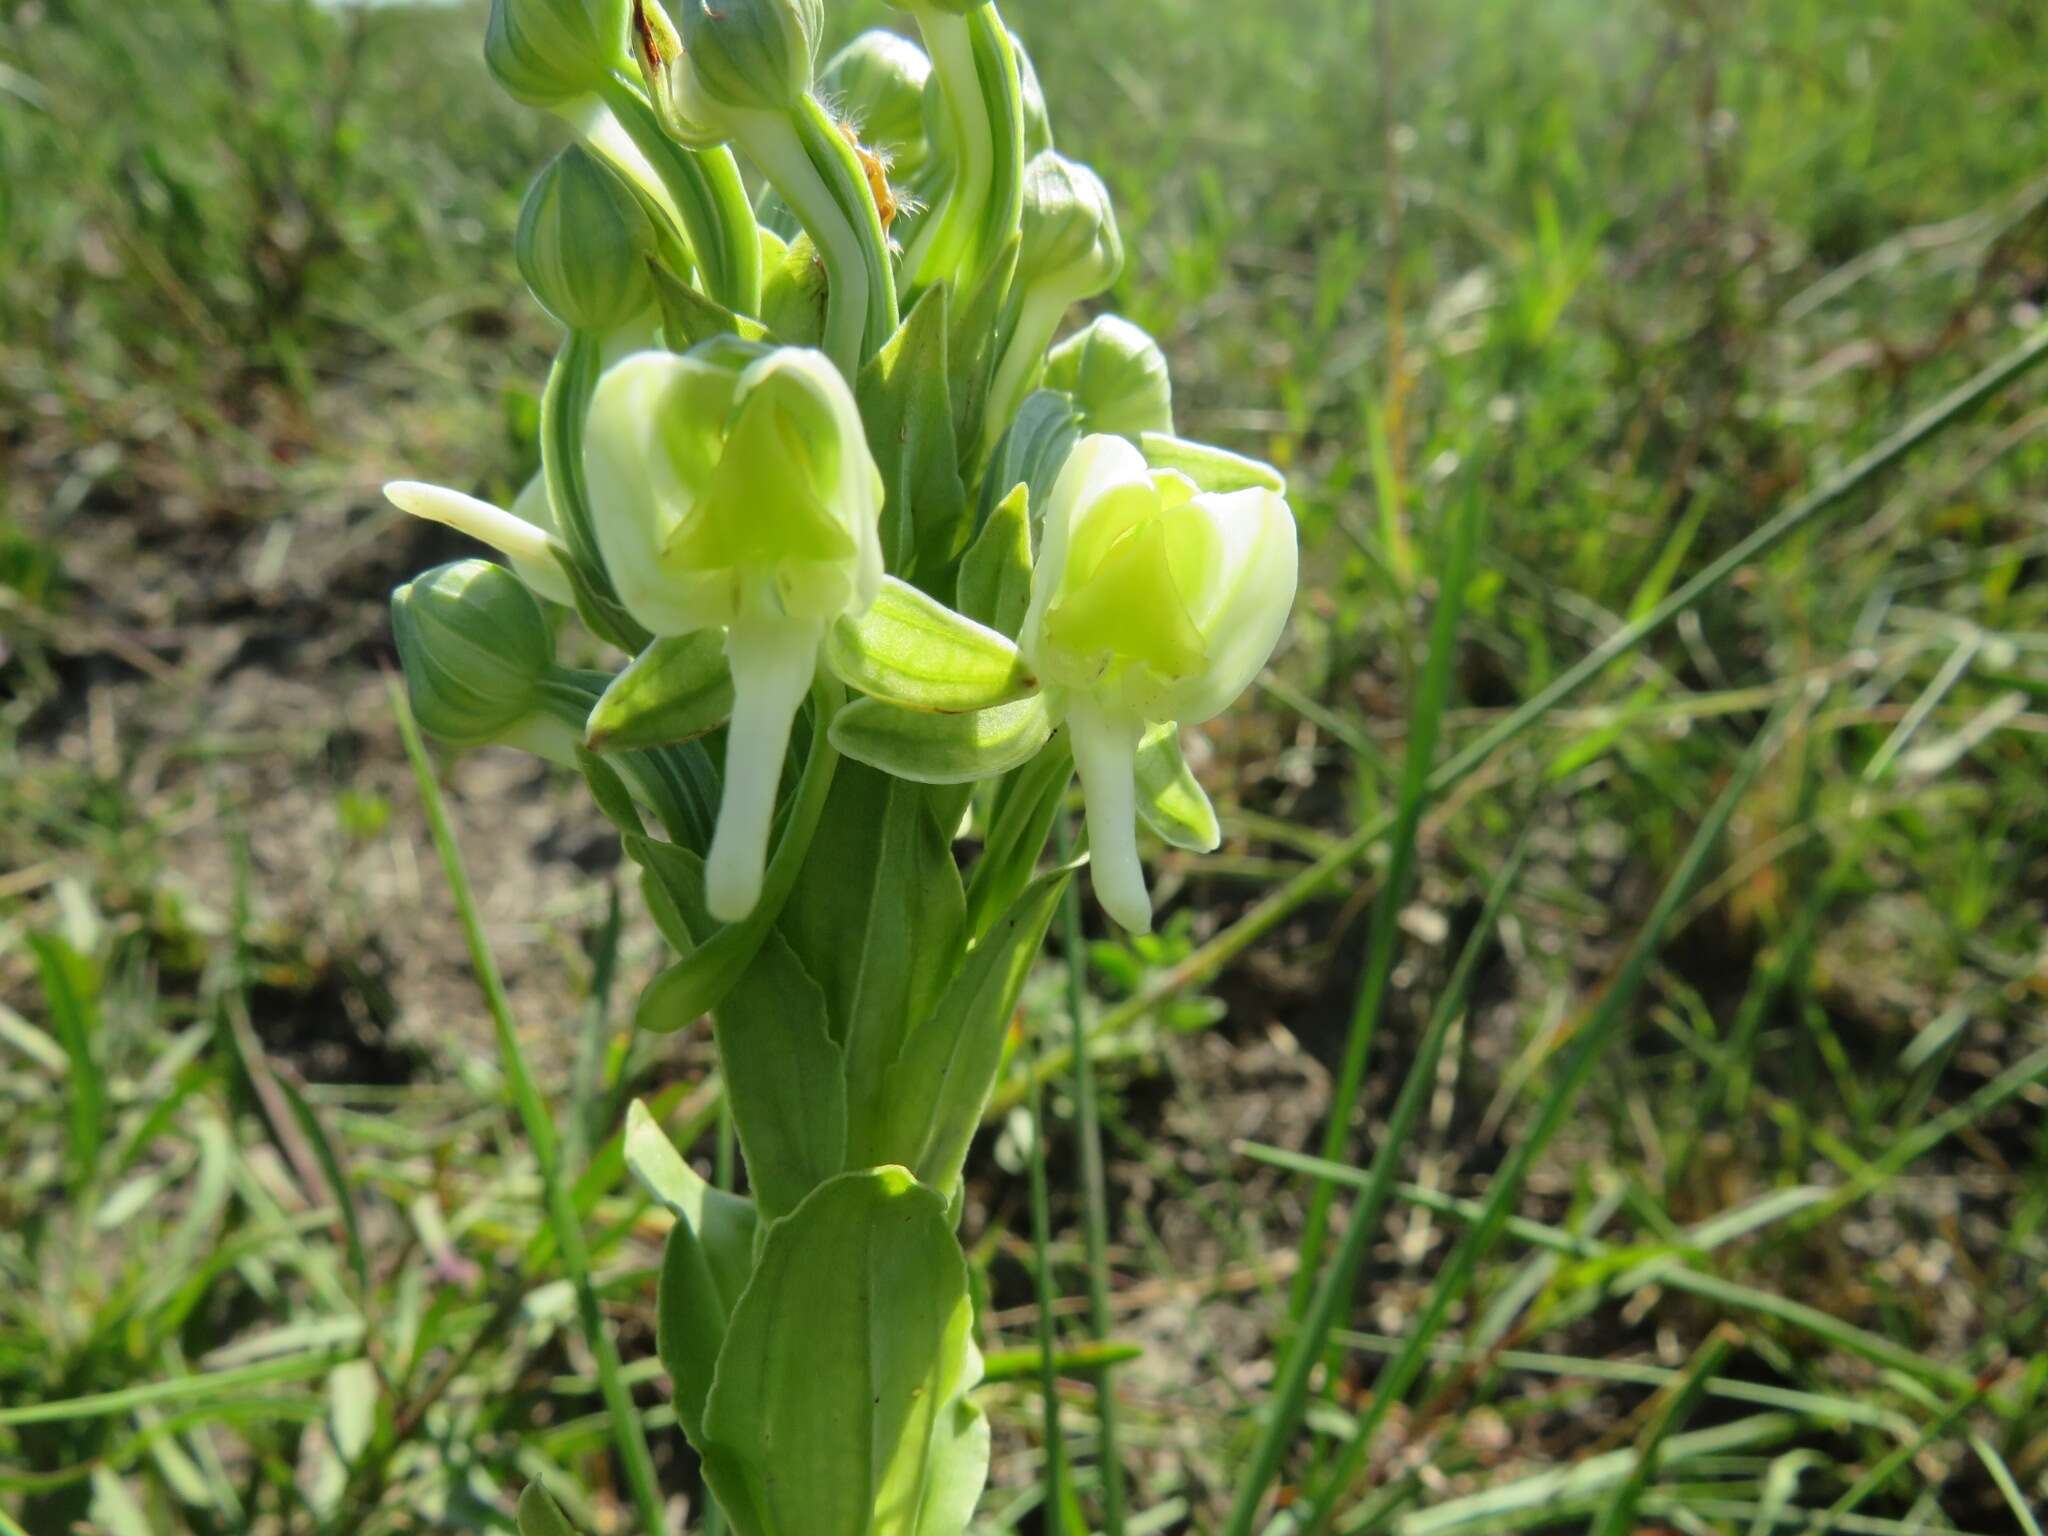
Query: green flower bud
[1117, 376]
[672, 85]
[1071, 243]
[734, 490]
[476, 648]
[878, 81]
[752, 54]
[583, 245]
[549, 52]
[1150, 602]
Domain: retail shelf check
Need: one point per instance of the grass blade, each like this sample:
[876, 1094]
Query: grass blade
[628, 1436]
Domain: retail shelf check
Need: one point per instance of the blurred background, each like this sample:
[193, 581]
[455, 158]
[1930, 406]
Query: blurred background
[1636, 273]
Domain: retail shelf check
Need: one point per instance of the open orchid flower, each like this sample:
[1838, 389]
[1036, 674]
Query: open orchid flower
[1151, 602]
[734, 491]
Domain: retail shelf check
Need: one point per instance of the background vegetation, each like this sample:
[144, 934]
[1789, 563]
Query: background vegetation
[1622, 280]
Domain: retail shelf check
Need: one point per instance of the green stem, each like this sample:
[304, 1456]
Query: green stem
[627, 1435]
[983, 96]
[1276, 908]
[710, 198]
[1094, 1191]
[774, 144]
[840, 169]
[1042, 1279]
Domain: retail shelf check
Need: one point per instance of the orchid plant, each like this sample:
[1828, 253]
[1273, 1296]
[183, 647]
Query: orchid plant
[887, 569]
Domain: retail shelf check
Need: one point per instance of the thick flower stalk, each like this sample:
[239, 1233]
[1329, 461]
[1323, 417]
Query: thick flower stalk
[883, 584]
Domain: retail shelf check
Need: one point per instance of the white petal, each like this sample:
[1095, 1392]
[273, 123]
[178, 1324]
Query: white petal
[528, 547]
[1106, 755]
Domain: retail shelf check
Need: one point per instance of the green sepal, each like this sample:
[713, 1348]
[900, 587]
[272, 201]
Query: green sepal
[912, 650]
[676, 690]
[942, 749]
[688, 318]
[941, 1081]
[908, 413]
[1211, 469]
[1171, 801]
[882, 961]
[1032, 452]
[540, 1516]
[1019, 821]
[840, 1404]
[995, 573]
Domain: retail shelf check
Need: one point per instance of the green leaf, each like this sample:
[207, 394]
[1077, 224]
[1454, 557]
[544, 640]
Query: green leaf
[909, 418]
[676, 690]
[938, 1086]
[1212, 469]
[688, 317]
[336, 1174]
[911, 649]
[785, 1075]
[352, 1392]
[882, 960]
[71, 986]
[608, 789]
[538, 1515]
[839, 1406]
[723, 1222]
[1172, 803]
[689, 1326]
[995, 573]
[1032, 452]
[942, 749]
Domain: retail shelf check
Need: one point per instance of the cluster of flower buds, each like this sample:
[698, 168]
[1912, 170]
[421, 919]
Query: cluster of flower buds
[887, 567]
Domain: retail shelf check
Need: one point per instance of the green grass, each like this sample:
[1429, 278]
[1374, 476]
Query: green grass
[1703, 1177]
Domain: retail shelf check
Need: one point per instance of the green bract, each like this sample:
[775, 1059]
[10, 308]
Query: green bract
[583, 245]
[1151, 601]
[734, 490]
[476, 649]
[1117, 376]
[547, 52]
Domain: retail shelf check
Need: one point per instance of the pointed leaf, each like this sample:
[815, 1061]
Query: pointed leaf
[676, 690]
[878, 919]
[939, 1085]
[942, 749]
[689, 1326]
[845, 1368]
[909, 418]
[995, 573]
[724, 1223]
[1170, 800]
[1032, 452]
[1020, 820]
[688, 317]
[912, 650]
[1212, 469]
[538, 1515]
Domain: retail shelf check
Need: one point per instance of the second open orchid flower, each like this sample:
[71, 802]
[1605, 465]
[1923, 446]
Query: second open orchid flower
[734, 491]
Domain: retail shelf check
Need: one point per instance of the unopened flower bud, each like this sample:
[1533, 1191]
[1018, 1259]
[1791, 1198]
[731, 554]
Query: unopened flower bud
[476, 648]
[734, 490]
[1150, 602]
[1117, 376]
[546, 53]
[755, 55]
[1070, 237]
[583, 245]
[877, 82]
